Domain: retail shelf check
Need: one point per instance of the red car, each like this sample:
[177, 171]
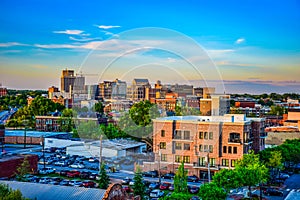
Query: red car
[73, 173]
[88, 184]
[126, 188]
[164, 186]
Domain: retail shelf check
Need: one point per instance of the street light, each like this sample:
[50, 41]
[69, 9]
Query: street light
[159, 157]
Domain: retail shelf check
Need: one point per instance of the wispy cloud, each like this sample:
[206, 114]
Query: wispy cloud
[233, 64]
[84, 39]
[10, 44]
[108, 27]
[240, 40]
[70, 32]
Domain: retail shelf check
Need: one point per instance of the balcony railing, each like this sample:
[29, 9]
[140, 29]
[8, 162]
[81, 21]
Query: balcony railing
[182, 138]
[234, 140]
[204, 165]
[248, 140]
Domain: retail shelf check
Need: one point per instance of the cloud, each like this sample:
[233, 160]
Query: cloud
[70, 32]
[108, 27]
[240, 40]
[83, 39]
[10, 44]
[232, 64]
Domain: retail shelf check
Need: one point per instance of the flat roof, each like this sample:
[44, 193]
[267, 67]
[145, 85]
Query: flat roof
[32, 133]
[50, 192]
[194, 118]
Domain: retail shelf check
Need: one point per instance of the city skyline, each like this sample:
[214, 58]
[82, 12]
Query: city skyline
[254, 46]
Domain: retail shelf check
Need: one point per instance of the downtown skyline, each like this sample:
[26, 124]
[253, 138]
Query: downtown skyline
[253, 46]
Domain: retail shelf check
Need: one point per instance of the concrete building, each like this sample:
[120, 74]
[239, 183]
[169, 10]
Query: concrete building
[197, 140]
[116, 89]
[139, 90]
[110, 148]
[3, 91]
[67, 80]
[217, 104]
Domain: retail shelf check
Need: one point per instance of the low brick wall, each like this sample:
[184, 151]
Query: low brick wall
[20, 140]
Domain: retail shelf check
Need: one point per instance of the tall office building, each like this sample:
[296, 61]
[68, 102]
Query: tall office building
[67, 80]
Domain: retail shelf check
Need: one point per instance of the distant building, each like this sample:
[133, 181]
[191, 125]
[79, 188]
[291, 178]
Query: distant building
[139, 90]
[3, 91]
[2, 137]
[197, 140]
[217, 104]
[116, 89]
[10, 163]
[181, 90]
[245, 104]
[67, 80]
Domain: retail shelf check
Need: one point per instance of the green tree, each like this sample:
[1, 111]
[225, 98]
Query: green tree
[251, 171]
[180, 180]
[66, 120]
[6, 193]
[227, 179]
[210, 191]
[89, 129]
[277, 110]
[104, 178]
[99, 107]
[23, 169]
[177, 196]
[139, 187]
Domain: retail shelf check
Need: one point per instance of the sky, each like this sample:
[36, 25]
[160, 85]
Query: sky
[239, 47]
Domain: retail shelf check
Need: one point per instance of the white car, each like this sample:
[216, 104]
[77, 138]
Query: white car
[76, 183]
[79, 166]
[46, 170]
[156, 193]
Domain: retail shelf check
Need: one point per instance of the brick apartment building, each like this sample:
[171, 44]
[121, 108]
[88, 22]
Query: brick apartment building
[196, 139]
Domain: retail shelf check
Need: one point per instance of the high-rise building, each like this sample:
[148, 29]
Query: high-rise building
[217, 104]
[67, 80]
[139, 89]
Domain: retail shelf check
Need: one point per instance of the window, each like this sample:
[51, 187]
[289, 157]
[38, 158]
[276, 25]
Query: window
[186, 159]
[224, 149]
[210, 148]
[233, 163]
[177, 134]
[201, 161]
[205, 148]
[177, 158]
[162, 145]
[211, 135]
[163, 157]
[229, 149]
[186, 135]
[234, 137]
[178, 146]
[186, 146]
[201, 148]
[163, 133]
[200, 135]
[212, 161]
[235, 150]
[205, 135]
[225, 162]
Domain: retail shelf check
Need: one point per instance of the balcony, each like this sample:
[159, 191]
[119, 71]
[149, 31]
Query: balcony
[235, 140]
[248, 140]
[204, 166]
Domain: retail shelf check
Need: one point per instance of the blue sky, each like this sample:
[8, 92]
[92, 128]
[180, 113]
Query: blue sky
[248, 42]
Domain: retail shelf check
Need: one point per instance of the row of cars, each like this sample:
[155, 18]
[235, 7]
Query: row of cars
[155, 174]
[60, 181]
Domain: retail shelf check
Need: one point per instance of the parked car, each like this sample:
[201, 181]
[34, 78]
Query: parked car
[45, 180]
[73, 173]
[193, 178]
[164, 186]
[126, 180]
[168, 176]
[76, 183]
[88, 184]
[77, 165]
[63, 172]
[283, 176]
[64, 182]
[61, 163]
[171, 187]
[46, 170]
[156, 193]
[193, 189]
[93, 176]
[153, 173]
[272, 192]
[85, 174]
[127, 188]
[154, 185]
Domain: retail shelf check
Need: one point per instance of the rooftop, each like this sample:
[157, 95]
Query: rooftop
[32, 133]
[50, 192]
[193, 118]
